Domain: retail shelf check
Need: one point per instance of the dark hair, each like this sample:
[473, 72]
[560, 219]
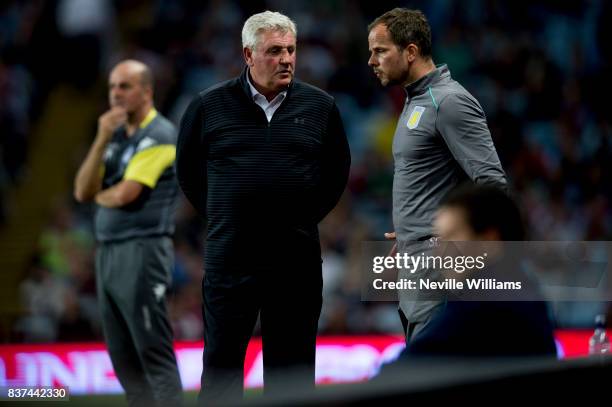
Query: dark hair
[407, 27]
[486, 208]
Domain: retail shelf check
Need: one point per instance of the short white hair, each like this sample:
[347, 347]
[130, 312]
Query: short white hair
[266, 21]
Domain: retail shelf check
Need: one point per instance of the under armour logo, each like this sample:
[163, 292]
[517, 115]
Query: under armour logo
[159, 290]
[298, 120]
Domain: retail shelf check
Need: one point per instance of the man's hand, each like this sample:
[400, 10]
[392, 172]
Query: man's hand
[88, 180]
[109, 122]
[391, 236]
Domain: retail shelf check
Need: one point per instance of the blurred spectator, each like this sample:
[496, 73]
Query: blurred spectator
[85, 26]
[43, 299]
[65, 247]
[485, 328]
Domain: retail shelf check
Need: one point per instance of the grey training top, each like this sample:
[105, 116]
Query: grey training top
[441, 140]
[148, 158]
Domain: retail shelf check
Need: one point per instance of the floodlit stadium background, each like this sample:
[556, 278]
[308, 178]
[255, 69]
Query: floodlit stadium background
[539, 69]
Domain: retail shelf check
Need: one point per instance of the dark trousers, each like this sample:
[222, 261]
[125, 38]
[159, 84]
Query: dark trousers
[288, 300]
[416, 307]
[412, 329]
[132, 277]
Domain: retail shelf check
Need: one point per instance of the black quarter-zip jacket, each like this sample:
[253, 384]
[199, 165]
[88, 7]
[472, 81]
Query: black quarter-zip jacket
[262, 187]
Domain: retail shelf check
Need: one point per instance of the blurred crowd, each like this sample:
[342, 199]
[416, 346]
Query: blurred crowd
[539, 69]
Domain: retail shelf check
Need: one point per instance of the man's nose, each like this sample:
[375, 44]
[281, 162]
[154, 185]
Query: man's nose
[372, 61]
[285, 58]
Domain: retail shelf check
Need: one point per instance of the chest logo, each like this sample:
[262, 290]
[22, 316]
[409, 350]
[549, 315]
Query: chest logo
[415, 117]
[127, 155]
[110, 151]
[145, 143]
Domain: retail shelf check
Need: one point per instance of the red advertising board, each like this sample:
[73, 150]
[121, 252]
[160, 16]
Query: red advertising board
[86, 368]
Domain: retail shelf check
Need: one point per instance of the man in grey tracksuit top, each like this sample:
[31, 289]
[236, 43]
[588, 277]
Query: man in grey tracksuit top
[441, 141]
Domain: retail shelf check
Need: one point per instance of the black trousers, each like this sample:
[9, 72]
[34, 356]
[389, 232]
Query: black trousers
[132, 277]
[288, 300]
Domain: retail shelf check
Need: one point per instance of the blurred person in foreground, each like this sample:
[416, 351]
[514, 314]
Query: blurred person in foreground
[129, 173]
[441, 140]
[482, 323]
[263, 157]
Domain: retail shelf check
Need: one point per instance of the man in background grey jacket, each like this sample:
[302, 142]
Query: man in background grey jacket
[441, 140]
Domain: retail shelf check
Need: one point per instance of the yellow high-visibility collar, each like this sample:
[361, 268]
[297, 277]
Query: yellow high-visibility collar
[149, 118]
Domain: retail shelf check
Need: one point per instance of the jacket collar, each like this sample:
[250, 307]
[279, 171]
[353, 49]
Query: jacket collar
[246, 88]
[420, 85]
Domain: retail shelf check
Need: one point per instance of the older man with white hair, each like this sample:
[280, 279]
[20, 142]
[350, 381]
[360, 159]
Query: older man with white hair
[263, 158]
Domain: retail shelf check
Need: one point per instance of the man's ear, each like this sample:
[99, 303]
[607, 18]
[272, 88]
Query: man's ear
[248, 56]
[411, 51]
[149, 91]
